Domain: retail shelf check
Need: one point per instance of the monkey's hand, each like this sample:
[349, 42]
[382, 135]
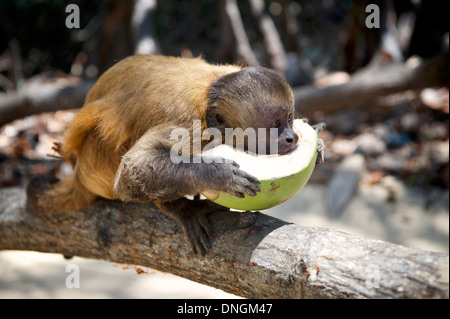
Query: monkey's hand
[321, 150]
[228, 178]
[321, 145]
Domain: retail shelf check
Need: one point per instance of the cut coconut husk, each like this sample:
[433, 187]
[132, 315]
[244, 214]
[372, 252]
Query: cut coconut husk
[281, 176]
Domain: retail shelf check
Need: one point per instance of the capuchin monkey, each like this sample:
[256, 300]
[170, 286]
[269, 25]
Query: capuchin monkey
[121, 137]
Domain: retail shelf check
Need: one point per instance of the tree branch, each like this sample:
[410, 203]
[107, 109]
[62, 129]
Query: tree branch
[364, 86]
[39, 97]
[368, 84]
[253, 255]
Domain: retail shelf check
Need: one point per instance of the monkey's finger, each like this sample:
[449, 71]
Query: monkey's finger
[192, 236]
[249, 182]
[204, 244]
[243, 187]
[201, 247]
[199, 234]
[247, 176]
[207, 229]
[204, 233]
[239, 195]
[321, 150]
[320, 145]
[192, 243]
[248, 188]
[198, 244]
[252, 192]
[319, 127]
[235, 164]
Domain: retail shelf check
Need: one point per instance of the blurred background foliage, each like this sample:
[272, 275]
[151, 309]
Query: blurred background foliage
[319, 34]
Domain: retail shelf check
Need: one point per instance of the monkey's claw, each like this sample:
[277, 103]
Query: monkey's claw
[319, 127]
[196, 227]
[242, 183]
[321, 145]
[196, 224]
[321, 150]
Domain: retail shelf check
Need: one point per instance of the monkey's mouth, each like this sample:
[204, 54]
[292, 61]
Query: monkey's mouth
[267, 152]
[293, 148]
[288, 149]
[263, 166]
[281, 176]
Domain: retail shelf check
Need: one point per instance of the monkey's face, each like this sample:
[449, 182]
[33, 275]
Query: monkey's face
[260, 103]
[280, 136]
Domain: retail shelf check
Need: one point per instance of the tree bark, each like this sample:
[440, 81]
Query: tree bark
[253, 255]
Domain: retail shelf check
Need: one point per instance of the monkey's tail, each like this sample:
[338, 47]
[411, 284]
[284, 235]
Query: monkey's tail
[47, 194]
[85, 121]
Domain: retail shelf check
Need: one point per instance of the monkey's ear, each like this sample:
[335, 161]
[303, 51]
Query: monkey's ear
[213, 118]
[222, 91]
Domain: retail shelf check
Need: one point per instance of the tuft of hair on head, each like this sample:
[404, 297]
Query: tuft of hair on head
[235, 98]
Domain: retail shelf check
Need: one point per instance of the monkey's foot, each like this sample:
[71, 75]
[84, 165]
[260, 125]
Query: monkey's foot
[192, 216]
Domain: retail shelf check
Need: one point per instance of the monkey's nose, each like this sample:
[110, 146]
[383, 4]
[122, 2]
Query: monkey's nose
[292, 138]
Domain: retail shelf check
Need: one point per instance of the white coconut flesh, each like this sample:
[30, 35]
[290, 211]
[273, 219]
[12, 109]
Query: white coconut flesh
[270, 167]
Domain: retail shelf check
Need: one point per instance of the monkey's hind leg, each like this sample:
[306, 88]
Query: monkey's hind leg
[192, 216]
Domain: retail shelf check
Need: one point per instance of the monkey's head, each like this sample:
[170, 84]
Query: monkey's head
[256, 98]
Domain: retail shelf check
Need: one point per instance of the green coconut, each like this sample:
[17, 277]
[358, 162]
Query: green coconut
[281, 176]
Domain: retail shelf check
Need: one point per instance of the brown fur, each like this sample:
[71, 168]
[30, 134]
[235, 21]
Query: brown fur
[119, 110]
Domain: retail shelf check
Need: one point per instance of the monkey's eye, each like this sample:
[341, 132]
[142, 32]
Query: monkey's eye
[290, 118]
[277, 123]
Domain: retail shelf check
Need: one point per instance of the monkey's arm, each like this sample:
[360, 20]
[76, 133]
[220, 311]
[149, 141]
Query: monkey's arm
[147, 174]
